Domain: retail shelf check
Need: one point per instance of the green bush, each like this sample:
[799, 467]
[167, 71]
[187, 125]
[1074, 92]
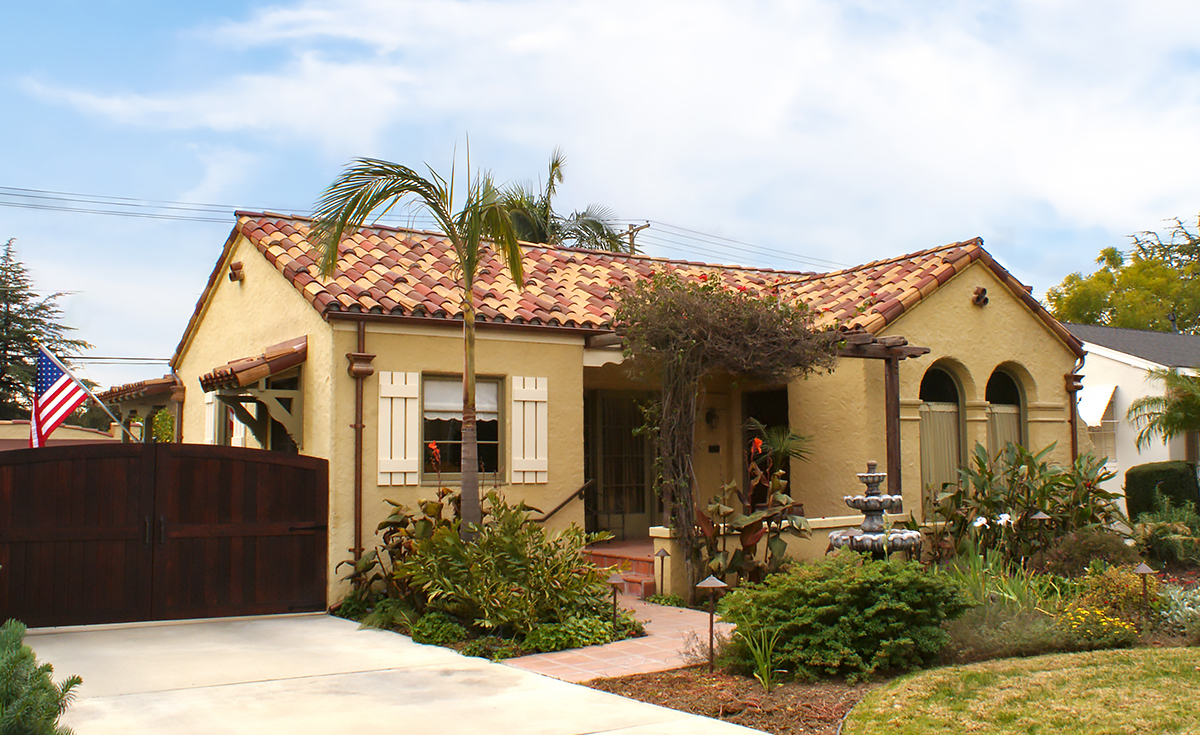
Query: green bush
[846, 615]
[1094, 627]
[436, 628]
[667, 600]
[1175, 480]
[1179, 610]
[1070, 555]
[30, 702]
[493, 648]
[1169, 534]
[510, 578]
[389, 614]
[571, 633]
[1002, 629]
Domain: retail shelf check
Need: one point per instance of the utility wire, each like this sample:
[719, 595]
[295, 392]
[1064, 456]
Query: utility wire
[667, 240]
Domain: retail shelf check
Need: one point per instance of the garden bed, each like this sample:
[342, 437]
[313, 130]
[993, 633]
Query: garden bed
[792, 708]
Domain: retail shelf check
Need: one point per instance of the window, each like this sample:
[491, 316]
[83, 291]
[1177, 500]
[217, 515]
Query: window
[441, 422]
[941, 433]
[415, 410]
[1104, 436]
[1004, 412]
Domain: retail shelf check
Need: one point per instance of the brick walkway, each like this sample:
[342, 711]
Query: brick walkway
[661, 649]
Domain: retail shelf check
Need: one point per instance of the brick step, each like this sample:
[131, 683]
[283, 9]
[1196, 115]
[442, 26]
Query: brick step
[640, 586]
[635, 564]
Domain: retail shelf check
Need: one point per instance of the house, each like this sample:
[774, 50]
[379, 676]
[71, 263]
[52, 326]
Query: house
[1117, 363]
[944, 349]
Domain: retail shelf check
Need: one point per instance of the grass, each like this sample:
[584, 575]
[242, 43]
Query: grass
[1123, 691]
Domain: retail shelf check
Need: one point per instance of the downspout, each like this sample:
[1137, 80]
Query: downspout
[1074, 384]
[360, 369]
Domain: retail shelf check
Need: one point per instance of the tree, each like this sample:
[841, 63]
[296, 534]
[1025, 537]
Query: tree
[682, 330]
[26, 318]
[366, 185]
[536, 221]
[1175, 413]
[1156, 285]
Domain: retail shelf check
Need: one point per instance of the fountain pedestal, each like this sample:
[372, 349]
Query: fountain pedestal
[873, 536]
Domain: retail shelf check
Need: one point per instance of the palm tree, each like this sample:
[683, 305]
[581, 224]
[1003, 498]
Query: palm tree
[366, 185]
[536, 221]
[1176, 412]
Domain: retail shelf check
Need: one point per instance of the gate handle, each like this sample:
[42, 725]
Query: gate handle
[148, 530]
[308, 527]
[162, 530]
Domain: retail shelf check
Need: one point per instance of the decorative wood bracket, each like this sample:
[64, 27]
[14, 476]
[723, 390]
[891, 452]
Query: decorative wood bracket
[285, 406]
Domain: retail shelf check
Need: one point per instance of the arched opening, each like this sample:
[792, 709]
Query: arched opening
[1005, 416]
[941, 433]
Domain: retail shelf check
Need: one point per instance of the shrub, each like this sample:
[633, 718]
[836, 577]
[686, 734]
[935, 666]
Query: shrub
[1179, 610]
[1175, 480]
[992, 504]
[1169, 534]
[1070, 555]
[30, 702]
[668, 600]
[436, 628]
[511, 577]
[1117, 589]
[1091, 628]
[1003, 630]
[845, 615]
[571, 633]
[493, 648]
[389, 614]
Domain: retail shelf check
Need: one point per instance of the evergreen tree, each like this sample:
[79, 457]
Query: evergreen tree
[24, 316]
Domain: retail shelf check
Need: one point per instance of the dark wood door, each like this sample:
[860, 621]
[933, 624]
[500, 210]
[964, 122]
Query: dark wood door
[75, 543]
[238, 532]
[119, 532]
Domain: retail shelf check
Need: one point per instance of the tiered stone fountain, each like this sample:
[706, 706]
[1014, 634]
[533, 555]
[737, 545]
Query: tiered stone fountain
[873, 537]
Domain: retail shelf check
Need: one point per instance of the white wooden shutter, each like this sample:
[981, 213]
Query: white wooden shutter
[210, 418]
[530, 430]
[399, 428]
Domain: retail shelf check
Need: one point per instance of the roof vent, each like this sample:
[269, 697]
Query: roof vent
[980, 298]
[235, 271]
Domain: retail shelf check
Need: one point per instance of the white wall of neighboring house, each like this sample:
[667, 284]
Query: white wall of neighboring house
[1112, 382]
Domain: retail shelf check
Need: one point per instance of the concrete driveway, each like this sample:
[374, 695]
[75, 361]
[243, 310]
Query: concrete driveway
[319, 674]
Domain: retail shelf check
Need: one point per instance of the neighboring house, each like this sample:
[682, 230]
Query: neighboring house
[306, 363]
[1115, 377]
[15, 435]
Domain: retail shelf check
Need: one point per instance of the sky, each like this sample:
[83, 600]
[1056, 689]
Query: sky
[803, 135]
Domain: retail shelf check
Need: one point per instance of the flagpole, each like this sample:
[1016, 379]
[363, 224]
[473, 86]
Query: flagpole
[86, 389]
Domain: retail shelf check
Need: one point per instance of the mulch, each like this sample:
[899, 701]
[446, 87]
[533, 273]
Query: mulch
[792, 708]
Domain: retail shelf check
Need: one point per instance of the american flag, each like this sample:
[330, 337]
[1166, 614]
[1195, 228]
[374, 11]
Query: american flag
[56, 394]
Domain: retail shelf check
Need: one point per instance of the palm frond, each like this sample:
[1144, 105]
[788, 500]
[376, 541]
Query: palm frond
[1174, 413]
[594, 228]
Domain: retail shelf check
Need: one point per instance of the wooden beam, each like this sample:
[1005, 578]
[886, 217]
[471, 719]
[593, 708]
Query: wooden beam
[891, 400]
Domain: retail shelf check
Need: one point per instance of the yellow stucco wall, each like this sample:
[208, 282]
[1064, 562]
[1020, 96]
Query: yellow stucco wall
[844, 412]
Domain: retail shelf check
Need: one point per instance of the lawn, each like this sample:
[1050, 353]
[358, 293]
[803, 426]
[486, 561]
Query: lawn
[1147, 690]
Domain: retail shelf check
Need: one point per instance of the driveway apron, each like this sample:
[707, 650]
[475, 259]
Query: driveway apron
[319, 674]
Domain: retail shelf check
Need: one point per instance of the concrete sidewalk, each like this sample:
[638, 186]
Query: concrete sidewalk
[667, 632]
[319, 674]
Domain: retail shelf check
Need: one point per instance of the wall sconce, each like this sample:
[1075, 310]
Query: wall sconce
[235, 271]
[710, 418]
[980, 298]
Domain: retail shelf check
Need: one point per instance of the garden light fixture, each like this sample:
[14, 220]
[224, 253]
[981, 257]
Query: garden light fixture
[662, 555]
[711, 585]
[1144, 571]
[616, 581]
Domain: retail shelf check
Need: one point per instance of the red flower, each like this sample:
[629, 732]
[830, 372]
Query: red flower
[437, 454]
[704, 277]
[756, 447]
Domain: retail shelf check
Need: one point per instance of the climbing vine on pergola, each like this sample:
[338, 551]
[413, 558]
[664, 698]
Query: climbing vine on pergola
[681, 329]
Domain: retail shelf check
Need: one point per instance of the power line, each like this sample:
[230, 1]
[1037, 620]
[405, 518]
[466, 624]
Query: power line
[673, 241]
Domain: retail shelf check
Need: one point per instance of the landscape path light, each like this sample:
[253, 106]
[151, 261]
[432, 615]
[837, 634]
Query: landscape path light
[616, 581]
[1145, 571]
[662, 555]
[1041, 519]
[711, 585]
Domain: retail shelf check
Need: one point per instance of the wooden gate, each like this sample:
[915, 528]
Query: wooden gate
[102, 533]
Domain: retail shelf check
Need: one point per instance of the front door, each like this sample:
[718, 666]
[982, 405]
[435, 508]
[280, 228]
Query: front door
[619, 461]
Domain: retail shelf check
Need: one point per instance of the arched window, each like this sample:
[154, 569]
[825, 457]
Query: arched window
[1005, 422]
[941, 433]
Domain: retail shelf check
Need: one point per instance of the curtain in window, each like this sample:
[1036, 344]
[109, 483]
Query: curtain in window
[1004, 425]
[939, 449]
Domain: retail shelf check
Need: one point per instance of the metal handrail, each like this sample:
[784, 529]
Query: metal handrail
[577, 494]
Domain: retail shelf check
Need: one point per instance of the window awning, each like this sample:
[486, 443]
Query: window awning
[1093, 402]
[249, 370]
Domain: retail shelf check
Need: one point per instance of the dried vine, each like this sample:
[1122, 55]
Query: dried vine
[681, 330]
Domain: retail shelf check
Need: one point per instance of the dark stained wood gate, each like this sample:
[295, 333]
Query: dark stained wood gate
[103, 533]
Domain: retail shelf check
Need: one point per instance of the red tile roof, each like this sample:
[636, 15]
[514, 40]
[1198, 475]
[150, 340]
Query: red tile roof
[157, 387]
[246, 370]
[407, 273]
